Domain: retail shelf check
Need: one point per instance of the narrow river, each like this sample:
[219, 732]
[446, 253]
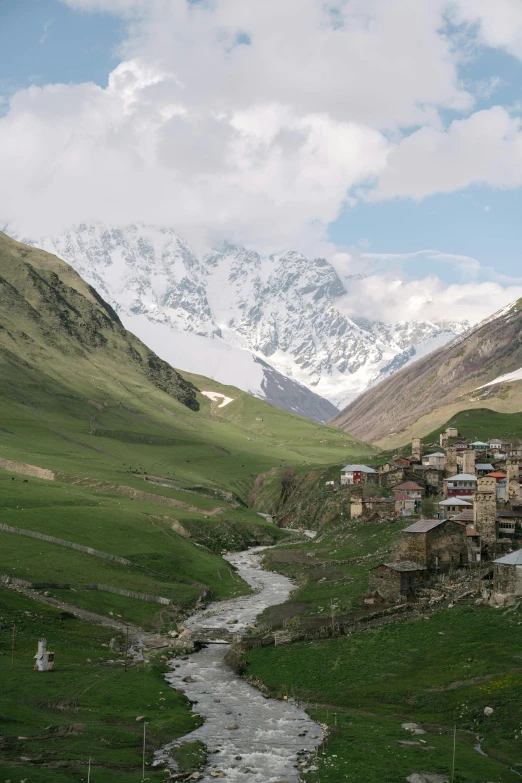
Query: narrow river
[250, 739]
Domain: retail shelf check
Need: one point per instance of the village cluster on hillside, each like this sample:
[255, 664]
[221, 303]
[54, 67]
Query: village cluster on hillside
[466, 508]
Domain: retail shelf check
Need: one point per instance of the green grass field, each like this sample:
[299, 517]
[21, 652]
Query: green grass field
[439, 672]
[482, 424]
[51, 723]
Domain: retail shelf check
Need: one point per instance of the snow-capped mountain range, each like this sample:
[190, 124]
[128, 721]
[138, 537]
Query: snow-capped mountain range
[272, 326]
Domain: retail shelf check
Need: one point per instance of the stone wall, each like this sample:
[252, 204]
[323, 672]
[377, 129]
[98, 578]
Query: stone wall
[507, 579]
[356, 503]
[411, 546]
[485, 510]
[451, 461]
[447, 547]
[468, 461]
[386, 582]
[439, 549]
[390, 475]
[513, 479]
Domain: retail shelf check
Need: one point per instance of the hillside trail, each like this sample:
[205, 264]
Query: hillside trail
[249, 738]
[140, 639]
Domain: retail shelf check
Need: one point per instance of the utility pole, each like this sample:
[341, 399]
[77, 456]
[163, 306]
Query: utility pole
[126, 646]
[143, 766]
[89, 772]
[13, 646]
[332, 610]
[454, 749]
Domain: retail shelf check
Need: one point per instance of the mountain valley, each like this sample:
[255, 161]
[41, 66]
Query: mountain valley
[275, 326]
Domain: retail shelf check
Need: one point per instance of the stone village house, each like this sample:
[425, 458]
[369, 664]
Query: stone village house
[436, 544]
[461, 485]
[356, 474]
[404, 504]
[426, 547]
[410, 488]
[507, 575]
[396, 581]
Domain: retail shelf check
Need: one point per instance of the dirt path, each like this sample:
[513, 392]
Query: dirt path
[135, 633]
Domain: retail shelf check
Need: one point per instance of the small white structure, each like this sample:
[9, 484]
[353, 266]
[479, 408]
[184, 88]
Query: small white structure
[44, 660]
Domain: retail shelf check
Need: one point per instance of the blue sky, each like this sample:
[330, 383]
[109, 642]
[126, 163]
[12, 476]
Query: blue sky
[317, 151]
[45, 41]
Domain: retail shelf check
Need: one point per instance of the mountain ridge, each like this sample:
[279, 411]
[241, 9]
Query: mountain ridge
[468, 373]
[283, 310]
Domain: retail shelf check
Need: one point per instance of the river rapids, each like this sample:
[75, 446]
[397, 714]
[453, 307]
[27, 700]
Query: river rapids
[249, 738]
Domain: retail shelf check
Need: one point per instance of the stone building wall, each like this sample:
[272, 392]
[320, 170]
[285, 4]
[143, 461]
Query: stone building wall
[513, 479]
[451, 461]
[446, 547]
[507, 579]
[356, 503]
[411, 546]
[390, 476]
[468, 461]
[386, 582]
[485, 510]
[441, 548]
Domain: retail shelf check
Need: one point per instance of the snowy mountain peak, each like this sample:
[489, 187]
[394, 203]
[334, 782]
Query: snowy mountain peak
[285, 310]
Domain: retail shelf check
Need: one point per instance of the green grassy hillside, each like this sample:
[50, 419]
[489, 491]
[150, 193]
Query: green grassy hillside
[439, 671]
[482, 424]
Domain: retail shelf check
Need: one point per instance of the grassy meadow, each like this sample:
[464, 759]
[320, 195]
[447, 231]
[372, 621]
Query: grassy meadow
[439, 671]
[482, 424]
[51, 723]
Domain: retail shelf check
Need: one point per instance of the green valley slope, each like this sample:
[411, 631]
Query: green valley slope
[145, 470]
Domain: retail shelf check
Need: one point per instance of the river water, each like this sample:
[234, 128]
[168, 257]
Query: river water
[249, 738]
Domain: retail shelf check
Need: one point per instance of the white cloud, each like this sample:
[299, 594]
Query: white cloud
[427, 299]
[257, 121]
[259, 143]
[483, 148]
[499, 22]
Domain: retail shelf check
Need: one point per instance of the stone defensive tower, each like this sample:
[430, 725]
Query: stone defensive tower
[468, 461]
[451, 461]
[485, 511]
[443, 440]
[513, 479]
[356, 502]
[416, 449]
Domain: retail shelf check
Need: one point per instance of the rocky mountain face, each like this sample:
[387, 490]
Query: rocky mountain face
[284, 312]
[482, 368]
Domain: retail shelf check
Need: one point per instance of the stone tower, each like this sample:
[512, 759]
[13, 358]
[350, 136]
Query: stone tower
[485, 511]
[513, 479]
[356, 502]
[468, 461]
[416, 449]
[443, 440]
[451, 461]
